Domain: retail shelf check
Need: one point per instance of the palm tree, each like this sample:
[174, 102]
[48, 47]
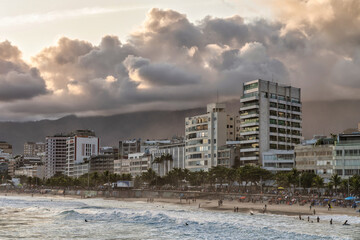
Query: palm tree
[318, 182]
[335, 181]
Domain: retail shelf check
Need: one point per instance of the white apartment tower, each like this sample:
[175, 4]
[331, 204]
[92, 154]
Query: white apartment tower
[64, 151]
[270, 124]
[55, 147]
[79, 149]
[204, 134]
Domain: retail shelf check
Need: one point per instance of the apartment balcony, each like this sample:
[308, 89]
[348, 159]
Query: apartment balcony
[249, 133]
[248, 99]
[253, 158]
[245, 108]
[249, 124]
[253, 115]
[249, 149]
[249, 141]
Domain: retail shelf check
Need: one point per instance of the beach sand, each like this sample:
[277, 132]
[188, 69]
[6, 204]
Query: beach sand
[228, 206]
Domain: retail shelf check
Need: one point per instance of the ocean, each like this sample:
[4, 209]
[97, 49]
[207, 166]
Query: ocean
[29, 217]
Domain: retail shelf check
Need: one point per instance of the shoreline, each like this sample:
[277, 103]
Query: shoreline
[212, 205]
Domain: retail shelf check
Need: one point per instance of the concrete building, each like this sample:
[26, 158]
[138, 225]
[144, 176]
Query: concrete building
[139, 163]
[127, 147]
[81, 169]
[270, 121]
[122, 166]
[176, 150]
[64, 151]
[6, 147]
[79, 149]
[204, 134]
[4, 155]
[56, 152]
[31, 171]
[315, 158]
[227, 155]
[347, 155]
[33, 149]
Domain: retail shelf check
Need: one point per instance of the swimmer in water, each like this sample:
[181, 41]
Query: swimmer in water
[86, 220]
[330, 221]
[345, 223]
[186, 224]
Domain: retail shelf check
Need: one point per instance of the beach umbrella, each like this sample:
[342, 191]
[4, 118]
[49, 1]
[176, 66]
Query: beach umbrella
[325, 200]
[242, 197]
[334, 200]
[350, 198]
[281, 188]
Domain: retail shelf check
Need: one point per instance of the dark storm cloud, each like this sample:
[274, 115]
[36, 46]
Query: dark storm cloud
[171, 62]
[17, 79]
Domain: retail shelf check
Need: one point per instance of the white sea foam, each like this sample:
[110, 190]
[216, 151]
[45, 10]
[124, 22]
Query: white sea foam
[28, 217]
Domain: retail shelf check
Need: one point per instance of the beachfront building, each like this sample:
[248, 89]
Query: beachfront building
[5, 147]
[204, 134]
[64, 151]
[270, 124]
[177, 152]
[316, 158]
[139, 163]
[347, 155]
[80, 147]
[55, 161]
[34, 148]
[228, 154]
[122, 166]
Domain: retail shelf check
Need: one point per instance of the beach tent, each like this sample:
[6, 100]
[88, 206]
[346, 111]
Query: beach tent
[350, 198]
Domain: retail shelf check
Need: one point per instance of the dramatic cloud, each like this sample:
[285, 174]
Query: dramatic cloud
[172, 63]
[17, 79]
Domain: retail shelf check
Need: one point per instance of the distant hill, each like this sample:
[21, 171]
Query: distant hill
[318, 118]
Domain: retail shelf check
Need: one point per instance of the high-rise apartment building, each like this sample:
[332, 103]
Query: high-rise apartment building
[63, 152]
[56, 150]
[270, 123]
[80, 148]
[204, 134]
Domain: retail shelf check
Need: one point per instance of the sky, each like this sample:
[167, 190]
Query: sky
[112, 56]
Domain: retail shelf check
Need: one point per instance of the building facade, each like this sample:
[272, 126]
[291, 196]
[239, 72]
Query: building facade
[79, 149]
[347, 155]
[204, 134]
[56, 152]
[6, 147]
[175, 150]
[127, 147]
[270, 116]
[33, 149]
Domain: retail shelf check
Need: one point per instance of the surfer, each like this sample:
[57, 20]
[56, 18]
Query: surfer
[345, 223]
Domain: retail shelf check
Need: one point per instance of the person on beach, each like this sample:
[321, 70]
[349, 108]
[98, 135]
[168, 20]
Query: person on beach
[308, 219]
[310, 207]
[237, 209]
[314, 211]
[300, 216]
[318, 219]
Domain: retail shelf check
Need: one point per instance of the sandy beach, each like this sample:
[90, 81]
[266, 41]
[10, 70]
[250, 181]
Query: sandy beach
[228, 206]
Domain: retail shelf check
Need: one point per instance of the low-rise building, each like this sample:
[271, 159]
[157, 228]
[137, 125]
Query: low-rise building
[278, 160]
[139, 163]
[347, 155]
[177, 153]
